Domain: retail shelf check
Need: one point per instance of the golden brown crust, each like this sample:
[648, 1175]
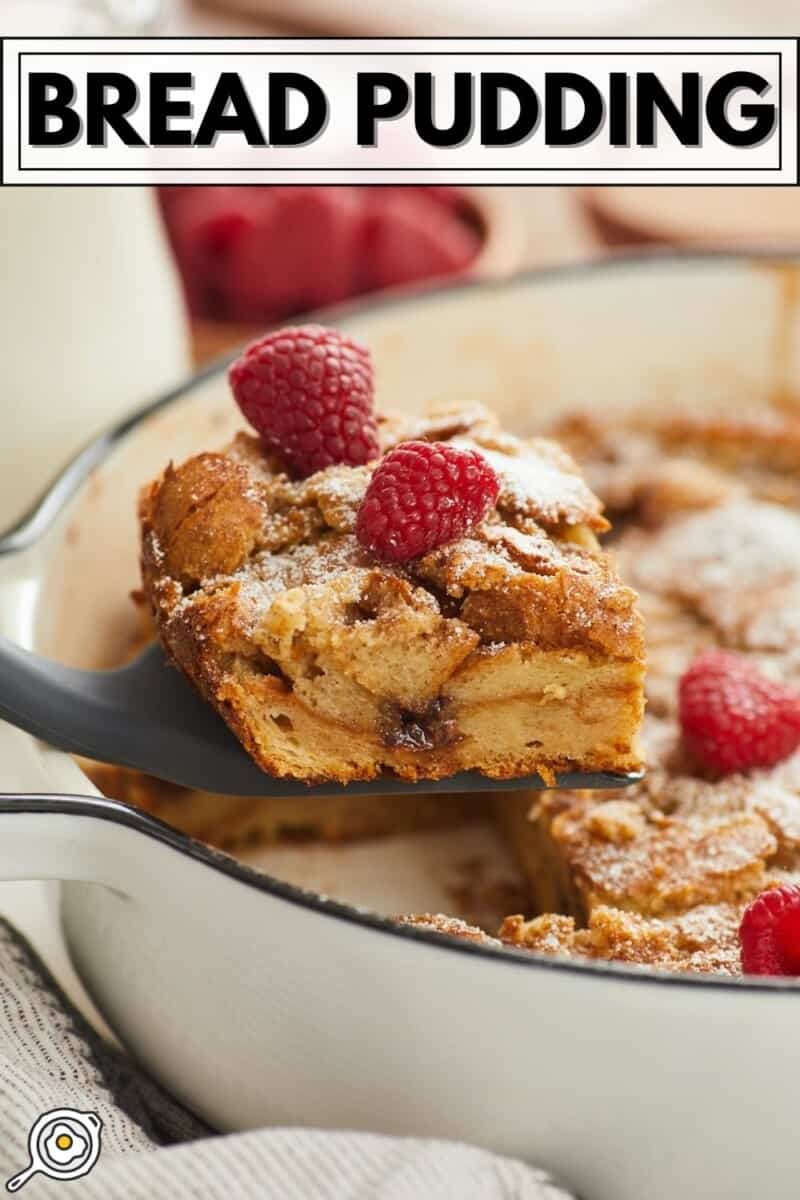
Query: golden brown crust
[204, 518]
[703, 940]
[449, 927]
[327, 665]
[655, 865]
[766, 437]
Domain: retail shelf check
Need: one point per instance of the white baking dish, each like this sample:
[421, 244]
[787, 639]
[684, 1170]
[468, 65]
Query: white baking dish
[257, 1003]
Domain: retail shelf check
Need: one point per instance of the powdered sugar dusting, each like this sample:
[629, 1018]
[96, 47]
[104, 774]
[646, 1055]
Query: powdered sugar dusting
[450, 927]
[337, 492]
[537, 480]
[307, 564]
[737, 566]
[744, 544]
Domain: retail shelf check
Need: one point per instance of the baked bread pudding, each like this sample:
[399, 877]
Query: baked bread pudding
[438, 603]
[696, 867]
[338, 643]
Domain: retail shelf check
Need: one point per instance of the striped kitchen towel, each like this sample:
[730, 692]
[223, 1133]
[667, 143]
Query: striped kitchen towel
[69, 1101]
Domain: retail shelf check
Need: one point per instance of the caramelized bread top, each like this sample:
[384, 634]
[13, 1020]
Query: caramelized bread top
[702, 940]
[233, 530]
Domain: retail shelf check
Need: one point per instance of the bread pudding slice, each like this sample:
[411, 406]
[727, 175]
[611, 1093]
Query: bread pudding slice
[512, 651]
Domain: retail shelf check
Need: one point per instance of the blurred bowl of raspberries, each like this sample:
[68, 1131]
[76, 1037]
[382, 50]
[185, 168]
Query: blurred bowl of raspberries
[257, 255]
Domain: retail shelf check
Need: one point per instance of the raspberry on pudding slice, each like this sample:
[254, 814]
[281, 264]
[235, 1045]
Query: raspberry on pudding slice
[309, 392]
[357, 593]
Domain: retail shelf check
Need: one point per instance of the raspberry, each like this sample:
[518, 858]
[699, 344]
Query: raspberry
[411, 235]
[308, 392]
[770, 933]
[263, 253]
[422, 495]
[300, 256]
[207, 226]
[733, 718]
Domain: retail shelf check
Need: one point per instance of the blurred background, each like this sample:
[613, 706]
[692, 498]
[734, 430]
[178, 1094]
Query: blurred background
[248, 256]
[198, 270]
[418, 18]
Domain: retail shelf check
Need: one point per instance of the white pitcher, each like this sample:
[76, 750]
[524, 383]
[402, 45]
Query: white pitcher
[92, 324]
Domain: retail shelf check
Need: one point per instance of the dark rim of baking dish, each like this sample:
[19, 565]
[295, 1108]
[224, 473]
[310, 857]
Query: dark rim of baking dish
[36, 522]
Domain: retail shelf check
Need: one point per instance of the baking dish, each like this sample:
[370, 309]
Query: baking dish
[257, 1003]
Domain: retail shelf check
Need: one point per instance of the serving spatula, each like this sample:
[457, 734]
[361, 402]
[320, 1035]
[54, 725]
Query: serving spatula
[146, 715]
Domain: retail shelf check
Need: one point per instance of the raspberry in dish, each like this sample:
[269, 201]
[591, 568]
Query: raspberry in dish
[512, 649]
[734, 718]
[769, 933]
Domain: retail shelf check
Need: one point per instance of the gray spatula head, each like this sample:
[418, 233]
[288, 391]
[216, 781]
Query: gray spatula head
[146, 715]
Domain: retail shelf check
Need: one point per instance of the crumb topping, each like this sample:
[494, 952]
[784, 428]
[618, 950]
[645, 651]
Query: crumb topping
[301, 533]
[703, 940]
[450, 927]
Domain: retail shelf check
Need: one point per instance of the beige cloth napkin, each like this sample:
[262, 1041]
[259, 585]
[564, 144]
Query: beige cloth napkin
[50, 1058]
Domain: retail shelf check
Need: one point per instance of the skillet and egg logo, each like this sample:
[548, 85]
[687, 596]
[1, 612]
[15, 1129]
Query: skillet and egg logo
[62, 1144]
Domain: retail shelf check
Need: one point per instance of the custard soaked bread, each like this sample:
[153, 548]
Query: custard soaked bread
[511, 649]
